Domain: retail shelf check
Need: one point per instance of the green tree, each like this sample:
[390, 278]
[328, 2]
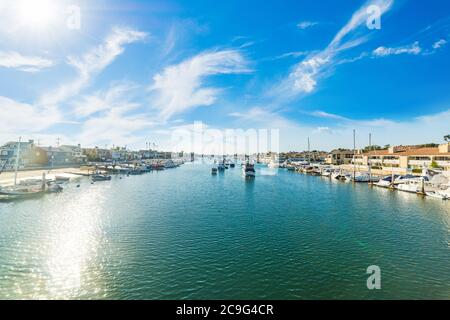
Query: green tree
[434, 165]
[447, 138]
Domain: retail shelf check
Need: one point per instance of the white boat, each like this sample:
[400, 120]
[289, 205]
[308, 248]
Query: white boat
[273, 165]
[411, 186]
[445, 193]
[386, 182]
[327, 173]
[335, 174]
[438, 195]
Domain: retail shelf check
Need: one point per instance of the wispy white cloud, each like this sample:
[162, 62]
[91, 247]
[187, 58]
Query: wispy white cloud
[93, 62]
[45, 112]
[180, 87]
[326, 115]
[112, 116]
[116, 97]
[306, 24]
[15, 60]
[339, 132]
[304, 76]
[293, 54]
[413, 49]
[115, 127]
[17, 117]
[439, 44]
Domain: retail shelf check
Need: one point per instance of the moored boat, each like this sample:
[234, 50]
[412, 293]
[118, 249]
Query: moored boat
[249, 170]
[100, 177]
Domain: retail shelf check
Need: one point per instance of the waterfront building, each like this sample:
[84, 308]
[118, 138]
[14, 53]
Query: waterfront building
[30, 154]
[64, 155]
[404, 158]
[97, 154]
[75, 154]
[339, 156]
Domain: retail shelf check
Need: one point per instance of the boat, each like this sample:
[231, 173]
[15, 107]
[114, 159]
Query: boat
[100, 177]
[221, 167]
[273, 165]
[62, 178]
[214, 171]
[20, 193]
[410, 186]
[327, 172]
[335, 174]
[157, 166]
[445, 193]
[53, 188]
[232, 165]
[33, 182]
[169, 164]
[386, 182]
[438, 195]
[249, 170]
[341, 176]
[364, 178]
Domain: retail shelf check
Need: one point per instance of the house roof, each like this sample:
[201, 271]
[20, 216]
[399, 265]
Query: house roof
[409, 152]
[424, 152]
[377, 153]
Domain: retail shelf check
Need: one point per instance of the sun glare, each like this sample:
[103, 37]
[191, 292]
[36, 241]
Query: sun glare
[36, 13]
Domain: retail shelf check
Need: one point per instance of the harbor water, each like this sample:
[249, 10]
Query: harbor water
[186, 234]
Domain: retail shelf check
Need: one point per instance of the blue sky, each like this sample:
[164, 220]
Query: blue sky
[136, 71]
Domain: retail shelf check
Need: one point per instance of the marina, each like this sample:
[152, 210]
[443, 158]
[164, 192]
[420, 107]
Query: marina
[282, 235]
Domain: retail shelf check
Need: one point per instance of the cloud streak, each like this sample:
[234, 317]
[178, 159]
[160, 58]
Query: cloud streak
[413, 49]
[305, 75]
[93, 62]
[181, 87]
[15, 60]
[306, 24]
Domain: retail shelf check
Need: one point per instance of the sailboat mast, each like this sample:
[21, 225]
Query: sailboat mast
[354, 154]
[368, 158]
[309, 152]
[17, 161]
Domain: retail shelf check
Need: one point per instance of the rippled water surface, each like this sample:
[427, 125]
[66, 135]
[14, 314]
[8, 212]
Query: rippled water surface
[183, 233]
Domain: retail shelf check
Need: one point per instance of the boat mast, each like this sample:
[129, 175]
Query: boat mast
[309, 153]
[354, 154]
[17, 161]
[368, 160]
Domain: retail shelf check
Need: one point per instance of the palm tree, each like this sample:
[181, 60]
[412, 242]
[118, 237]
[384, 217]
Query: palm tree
[447, 138]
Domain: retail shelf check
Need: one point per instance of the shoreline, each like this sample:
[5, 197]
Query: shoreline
[7, 178]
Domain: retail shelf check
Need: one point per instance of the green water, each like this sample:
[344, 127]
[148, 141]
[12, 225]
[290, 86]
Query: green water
[184, 234]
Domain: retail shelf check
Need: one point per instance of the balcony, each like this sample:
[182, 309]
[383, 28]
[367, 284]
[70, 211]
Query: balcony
[391, 161]
[443, 163]
[419, 163]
